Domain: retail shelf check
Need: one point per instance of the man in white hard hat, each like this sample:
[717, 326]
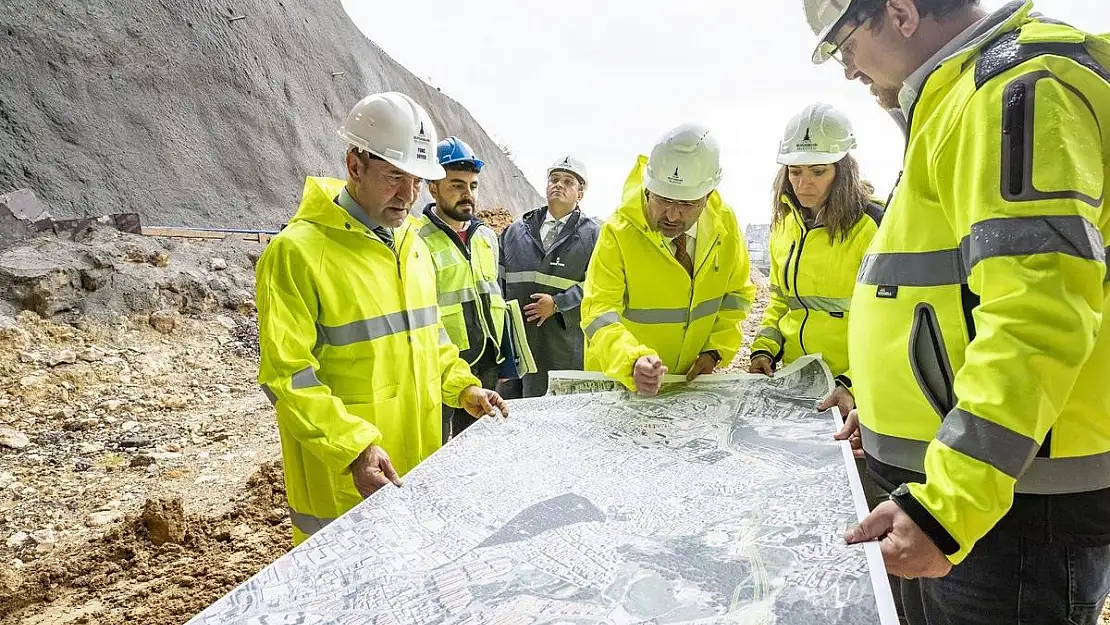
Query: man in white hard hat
[979, 336]
[354, 356]
[544, 256]
[669, 283]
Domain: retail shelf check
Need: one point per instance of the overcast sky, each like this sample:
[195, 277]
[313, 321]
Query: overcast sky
[602, 79]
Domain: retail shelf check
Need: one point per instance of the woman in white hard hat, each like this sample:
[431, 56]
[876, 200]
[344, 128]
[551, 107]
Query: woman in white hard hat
[823, 219]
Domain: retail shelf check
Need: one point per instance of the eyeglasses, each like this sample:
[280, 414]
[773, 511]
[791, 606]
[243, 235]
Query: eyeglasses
[683, 205]
[835, 51]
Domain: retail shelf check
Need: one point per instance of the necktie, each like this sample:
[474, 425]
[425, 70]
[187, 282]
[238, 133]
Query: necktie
[552, 234]
[385, 235]
[682, 256]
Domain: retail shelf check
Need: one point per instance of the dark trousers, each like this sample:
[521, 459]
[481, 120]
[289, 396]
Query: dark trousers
[1008, 579]
[455, 420]
[1011, 579]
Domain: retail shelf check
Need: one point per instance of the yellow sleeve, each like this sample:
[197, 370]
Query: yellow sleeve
[727, 333]
[455, 372]
[306, 408]
[1037, 264]
[607, 340]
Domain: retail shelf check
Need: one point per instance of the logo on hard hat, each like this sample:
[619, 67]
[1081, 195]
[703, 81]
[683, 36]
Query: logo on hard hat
[566, 161]
[806, 143]
[675, 178]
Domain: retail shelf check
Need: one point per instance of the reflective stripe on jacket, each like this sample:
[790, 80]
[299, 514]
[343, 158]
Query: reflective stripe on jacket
[640, 301]
[978, 339]
[352, 351]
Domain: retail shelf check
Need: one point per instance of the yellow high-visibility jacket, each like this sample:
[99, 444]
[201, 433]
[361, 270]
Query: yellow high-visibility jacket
[470, 301]
[639, 301]
[353, 352]
[811, 289]
[979, 339]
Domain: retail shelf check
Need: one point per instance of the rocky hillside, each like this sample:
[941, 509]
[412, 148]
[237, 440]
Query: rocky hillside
[198, 114]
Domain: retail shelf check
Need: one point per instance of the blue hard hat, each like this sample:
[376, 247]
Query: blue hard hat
[454, 150]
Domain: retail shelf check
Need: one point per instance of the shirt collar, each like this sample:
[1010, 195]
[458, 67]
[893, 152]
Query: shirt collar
[349, 204]
[972, 36]
[692, 232]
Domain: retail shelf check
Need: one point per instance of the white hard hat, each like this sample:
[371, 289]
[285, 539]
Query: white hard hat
[819, 135]
[571, 165]
[685, 164]
[823, 16]
[393, 126]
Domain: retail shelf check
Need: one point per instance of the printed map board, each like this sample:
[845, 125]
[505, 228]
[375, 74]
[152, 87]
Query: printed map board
[721, 501]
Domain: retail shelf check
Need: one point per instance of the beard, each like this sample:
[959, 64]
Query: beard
[460, 211]
[886, 96]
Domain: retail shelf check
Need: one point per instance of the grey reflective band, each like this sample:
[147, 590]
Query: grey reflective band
[735, 302]
[429, 229]
[656, 315]
[1024, 236]
[269, 395]
[826, 304]
[775, 290]
[605, 320]
[773, 334]
[306, 378]
[555, 282]
[377, 327]
[992, 238]
[307, 523]
[938, 268]
[1045, 476]
[461, 296]
[444, 338]
[649, 316]
[489, 288]
[988, 442]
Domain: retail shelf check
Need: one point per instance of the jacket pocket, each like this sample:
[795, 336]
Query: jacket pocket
[929, 360]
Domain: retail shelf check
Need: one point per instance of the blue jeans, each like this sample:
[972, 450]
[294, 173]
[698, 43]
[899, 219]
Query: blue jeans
[1010, 579]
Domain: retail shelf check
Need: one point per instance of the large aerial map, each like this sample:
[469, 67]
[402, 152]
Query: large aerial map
[721, 501]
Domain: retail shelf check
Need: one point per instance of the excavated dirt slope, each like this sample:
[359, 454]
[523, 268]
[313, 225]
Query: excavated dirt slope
[188, 116]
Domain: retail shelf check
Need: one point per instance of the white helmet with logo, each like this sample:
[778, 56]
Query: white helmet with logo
[819, 135]
[823, 16]
[572, 166]
[394, 127]
[685, 164]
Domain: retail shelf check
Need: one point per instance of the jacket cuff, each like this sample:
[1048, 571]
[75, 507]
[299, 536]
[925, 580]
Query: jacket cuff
[844, 381]
[762, 352]
[925, 520]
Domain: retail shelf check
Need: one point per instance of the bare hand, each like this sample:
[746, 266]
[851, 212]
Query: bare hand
[704, 364]
[850, 433]
[648, 374]
[841, 398]
[907, 551]
[762, 364]
[541, 309]
[480, 402]
[373, 470]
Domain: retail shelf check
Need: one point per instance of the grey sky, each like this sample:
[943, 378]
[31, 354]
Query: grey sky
[602, 79]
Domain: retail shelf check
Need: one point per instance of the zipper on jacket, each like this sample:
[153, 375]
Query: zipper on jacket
[1013, 131]
[929, 361]
[786, 269]
[797, 267]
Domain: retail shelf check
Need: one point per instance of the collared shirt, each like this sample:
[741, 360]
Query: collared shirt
[692, 233]
[353, 208]
[550, 222]
[972, 36]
